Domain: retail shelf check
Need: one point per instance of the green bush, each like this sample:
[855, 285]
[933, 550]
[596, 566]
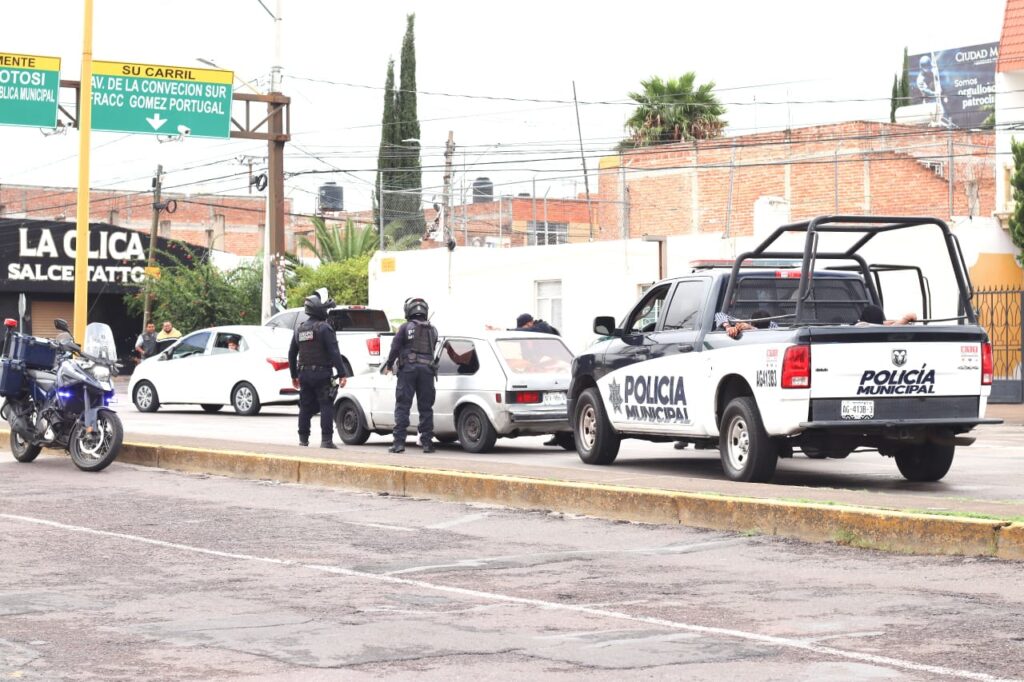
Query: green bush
[198, 295]
[347, 282]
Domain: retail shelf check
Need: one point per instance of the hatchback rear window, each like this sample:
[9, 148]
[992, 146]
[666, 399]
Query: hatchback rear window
[535, 356]
[359, 320]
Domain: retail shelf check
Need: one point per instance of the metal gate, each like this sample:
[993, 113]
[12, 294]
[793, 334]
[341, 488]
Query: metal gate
[999, 312]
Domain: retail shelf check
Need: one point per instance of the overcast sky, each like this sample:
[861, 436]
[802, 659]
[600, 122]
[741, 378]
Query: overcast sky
[775, 64]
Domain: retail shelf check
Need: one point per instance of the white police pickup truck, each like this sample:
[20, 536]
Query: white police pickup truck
[813, 379]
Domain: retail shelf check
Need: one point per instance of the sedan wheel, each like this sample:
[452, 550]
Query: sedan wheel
[245, 400]
[145, 398]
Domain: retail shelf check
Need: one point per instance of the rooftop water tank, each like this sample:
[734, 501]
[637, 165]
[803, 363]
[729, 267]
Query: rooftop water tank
[332, 197]
[483, 190]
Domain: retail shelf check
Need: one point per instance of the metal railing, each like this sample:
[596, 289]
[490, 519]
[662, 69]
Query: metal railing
[1000, 313]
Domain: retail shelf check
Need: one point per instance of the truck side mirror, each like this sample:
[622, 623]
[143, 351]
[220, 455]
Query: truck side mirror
[604, 325]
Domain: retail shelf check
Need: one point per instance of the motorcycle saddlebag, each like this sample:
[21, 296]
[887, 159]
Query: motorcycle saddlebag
[35, 353]
[12, 378]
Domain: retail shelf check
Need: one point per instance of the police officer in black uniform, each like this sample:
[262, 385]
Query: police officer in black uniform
[311, 357]
[413, 350]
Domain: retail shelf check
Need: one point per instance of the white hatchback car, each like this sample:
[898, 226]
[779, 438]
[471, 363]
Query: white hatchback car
[488, 385]
[203, 368]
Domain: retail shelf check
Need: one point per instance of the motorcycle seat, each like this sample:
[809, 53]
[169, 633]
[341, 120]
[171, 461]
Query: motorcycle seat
[44, 379]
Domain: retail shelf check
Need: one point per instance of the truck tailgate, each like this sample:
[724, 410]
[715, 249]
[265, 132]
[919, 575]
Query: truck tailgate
[896, 373]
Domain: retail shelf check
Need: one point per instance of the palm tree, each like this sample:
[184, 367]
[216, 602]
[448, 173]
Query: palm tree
[674, 111]
[333, 245]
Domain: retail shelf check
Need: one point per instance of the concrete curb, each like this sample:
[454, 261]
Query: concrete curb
[893, 531]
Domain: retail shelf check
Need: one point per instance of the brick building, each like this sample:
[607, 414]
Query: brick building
[503, 221]
[225, 223]
[852, 168]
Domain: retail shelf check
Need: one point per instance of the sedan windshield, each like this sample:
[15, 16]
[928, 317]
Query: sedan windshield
[535, 356]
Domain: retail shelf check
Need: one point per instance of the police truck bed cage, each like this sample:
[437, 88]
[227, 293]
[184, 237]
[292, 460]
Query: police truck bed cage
[868, 227]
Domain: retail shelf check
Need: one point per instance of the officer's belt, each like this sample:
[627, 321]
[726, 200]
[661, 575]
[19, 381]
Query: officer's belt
[302, 367]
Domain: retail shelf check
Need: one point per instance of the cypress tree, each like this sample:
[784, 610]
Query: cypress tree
[893, 99]
[1016, 222]
[410, 175]
[905, 82]
[389, 131]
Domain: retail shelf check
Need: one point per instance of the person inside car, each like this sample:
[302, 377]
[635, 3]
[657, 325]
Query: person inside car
[759, 319]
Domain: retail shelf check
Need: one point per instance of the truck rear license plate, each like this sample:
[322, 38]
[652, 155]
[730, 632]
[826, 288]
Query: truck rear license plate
[857, 409]
[554, 398]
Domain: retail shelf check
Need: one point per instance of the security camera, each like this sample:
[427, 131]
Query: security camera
[184, 131]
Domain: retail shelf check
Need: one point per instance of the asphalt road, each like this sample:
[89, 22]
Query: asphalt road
[143, 574]
[988, 475]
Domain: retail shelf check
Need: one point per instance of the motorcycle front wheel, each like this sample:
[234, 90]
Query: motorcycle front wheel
[95, 450]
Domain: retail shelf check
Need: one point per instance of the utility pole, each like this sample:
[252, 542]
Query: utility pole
[84, 115]
[154, 226]
[583, 158]
[273, 275]
[449, 153]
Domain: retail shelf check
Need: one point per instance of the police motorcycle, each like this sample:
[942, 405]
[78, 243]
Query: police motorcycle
[57, 394]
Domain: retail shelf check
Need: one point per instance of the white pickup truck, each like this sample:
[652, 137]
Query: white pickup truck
[364, 334]
[815, 380]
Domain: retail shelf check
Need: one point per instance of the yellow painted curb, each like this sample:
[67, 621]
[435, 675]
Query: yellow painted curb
[1011, 542]
[894, 531]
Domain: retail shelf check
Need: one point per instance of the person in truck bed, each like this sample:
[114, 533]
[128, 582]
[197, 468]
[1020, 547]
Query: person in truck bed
[759, 319]
[872, 314]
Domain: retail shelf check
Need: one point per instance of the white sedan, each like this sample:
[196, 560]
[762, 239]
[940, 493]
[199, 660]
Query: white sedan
[243, 366]
[488, 385]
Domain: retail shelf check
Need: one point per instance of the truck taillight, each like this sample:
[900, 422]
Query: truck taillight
[986, 364]
[278, 363]
[373, 345]
[796, 367]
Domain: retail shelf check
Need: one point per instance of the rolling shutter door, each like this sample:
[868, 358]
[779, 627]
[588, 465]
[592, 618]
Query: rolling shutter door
[45, 312]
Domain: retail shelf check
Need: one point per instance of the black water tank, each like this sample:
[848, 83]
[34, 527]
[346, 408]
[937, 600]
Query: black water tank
[483, 190]
[332, 197]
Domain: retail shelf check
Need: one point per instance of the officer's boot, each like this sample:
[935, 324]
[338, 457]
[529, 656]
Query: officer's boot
[428, 445]
[397, 446]
[304, 439]
[328, 444]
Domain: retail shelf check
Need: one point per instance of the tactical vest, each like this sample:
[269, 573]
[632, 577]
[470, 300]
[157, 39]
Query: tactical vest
[420, 338]
[311, 348]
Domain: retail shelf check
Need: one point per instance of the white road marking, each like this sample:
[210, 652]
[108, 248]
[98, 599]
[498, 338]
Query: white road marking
[469, 518]
[384, 526]
[843, 635]
[785, 642]
[477, 562]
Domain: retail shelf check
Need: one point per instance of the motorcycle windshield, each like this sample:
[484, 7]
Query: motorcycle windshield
[99, 341]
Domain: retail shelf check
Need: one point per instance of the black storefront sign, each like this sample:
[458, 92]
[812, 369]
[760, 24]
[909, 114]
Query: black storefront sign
[39, 256]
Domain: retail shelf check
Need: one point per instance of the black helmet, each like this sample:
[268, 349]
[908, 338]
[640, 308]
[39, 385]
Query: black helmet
[416, 307]
[317, 304]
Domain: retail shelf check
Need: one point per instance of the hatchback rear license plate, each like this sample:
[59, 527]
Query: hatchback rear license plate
[556, 398]
[857, 409]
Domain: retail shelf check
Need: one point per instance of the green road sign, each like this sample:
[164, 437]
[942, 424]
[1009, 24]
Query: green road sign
[28, 90]
[161, 100]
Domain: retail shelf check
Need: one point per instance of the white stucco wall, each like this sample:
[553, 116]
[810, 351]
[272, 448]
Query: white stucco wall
[1009, 113]
[471, 287]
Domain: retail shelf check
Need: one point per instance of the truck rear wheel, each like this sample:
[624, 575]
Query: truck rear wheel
[596, 442]
[748, 454]
[925, 462]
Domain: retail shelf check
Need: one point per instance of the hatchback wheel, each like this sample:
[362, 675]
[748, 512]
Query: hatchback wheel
[475, 431]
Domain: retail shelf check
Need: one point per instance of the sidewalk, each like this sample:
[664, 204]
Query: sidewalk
[1011, 414]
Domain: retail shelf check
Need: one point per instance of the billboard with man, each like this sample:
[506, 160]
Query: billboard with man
[961, 82]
